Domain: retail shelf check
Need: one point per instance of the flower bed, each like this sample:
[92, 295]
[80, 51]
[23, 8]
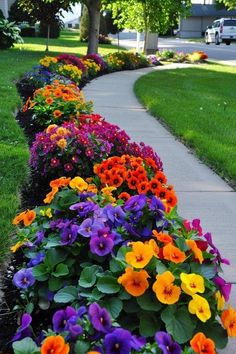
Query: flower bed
[181, 57]
[107, 265]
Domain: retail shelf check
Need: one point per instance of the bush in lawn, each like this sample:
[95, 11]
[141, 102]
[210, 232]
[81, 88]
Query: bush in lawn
[148, 267]
[84, 25]
[125, 61]
[9, 34]
[57, 103]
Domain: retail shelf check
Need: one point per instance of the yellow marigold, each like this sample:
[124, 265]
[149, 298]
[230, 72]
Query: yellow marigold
[79, 184]
[166, 292]
[62, 143]
[53, 137]
[199, 306]
[192, 283]
[140, 255]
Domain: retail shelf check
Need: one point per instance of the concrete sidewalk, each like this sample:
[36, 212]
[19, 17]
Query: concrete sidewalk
[201, 193]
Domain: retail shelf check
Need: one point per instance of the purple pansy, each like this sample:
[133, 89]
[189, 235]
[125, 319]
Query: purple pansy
[100, 318]
[135, 203]
[66, 320]
[24, 278]
[118, 342]
[101, 245]
[83, 208]
[24, 329]
[214, 249]
[69, 235]
[89, 227]
[37, 259]
[166, 344]
[115, 214]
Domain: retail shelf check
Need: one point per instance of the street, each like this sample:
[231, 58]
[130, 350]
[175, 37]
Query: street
[224, 54]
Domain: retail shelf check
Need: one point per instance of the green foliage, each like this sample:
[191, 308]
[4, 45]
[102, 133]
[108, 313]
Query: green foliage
[25, 346]
[17, 14]
[1, 14]
[9, 34]
[56, 26]
[231, 4]
[84, 25]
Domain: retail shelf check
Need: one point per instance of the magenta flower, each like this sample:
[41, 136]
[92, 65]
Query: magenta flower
[225, 288]
[24, 329]
[24, 278]
[166, 344]
[99, 318]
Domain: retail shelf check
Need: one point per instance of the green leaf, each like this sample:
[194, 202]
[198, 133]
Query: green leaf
[113, 305]
[181, 244]
[178, 323]
[81, 347]
[40, 272]
[88, 276]
[149, 324]
[160, 267]
[216, 332]
[54, 284]
[25, 346]
[116, 266]
[131, 306]
[206, 270]
[61, 270]
[29, 307]
[55, 256]
[149, 302]
[67, 294]
[108, 285]
[122, 252]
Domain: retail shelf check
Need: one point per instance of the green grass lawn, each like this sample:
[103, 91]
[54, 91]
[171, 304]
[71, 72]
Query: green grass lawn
[198, 105]
[13, 146]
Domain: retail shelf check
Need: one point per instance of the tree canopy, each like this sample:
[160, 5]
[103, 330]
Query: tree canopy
[231, 4]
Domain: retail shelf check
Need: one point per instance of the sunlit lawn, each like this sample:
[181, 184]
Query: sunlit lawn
[198, 104]
[13, 146]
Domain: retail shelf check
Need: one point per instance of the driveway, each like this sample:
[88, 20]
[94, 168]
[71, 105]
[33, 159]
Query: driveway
[222, 53]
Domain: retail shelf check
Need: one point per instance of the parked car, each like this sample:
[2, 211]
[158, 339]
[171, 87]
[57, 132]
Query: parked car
[221, 31]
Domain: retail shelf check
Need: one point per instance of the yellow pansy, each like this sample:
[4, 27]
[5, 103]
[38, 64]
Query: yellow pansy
[17, 246]
[79, 184]
[220, 301]
[199, 306]
[108, 190]
[192, 283]
[140, 255]
[47, 212]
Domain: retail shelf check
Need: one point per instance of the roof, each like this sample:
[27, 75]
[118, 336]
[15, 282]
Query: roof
[199, 10]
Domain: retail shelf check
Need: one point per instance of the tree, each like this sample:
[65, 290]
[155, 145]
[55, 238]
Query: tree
[147, 15]
[94, 9]
[230, 4]
[46, 11]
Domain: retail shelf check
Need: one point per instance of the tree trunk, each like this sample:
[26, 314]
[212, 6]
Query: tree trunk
[94, 8]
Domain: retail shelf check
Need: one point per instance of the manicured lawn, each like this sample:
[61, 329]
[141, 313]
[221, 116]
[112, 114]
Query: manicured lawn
[13, 145]
[198, 104]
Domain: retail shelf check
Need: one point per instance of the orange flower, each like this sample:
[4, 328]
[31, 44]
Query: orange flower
[50, 196]
[143, 187]
[135, 283]
[173, 254]
[55, 345]
[57, 113]
[166, 292]
[154, 185]
[228, 319]
[161, 193]
[116, 180]
[132, 182]
[202, 345]
[29, 217]
[60, 182]
[161, 177]
[62, 143]
[140, 255]
[162, 237]
[124, 196]
[49, 100]
[50, 128]
[197, 252]
[18, 218]
[171, 198]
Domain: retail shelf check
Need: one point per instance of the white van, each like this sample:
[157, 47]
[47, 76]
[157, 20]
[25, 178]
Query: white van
[221, 31]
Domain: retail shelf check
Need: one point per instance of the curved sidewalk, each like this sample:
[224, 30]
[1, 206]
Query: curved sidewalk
[201, 193]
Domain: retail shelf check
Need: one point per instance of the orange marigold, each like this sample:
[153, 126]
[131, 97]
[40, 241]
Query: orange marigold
[55, 345]
[49, 100]
[166, 292]
[57, 113]
[202, 345]
[173, 254]
[135, 283]
[124, 196]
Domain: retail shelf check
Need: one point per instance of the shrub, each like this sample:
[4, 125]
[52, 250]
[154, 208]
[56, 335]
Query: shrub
[17, 14]
[9, 34]
[125, 61]
[84, 25]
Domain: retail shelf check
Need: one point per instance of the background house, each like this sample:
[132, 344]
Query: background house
[202, 14]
